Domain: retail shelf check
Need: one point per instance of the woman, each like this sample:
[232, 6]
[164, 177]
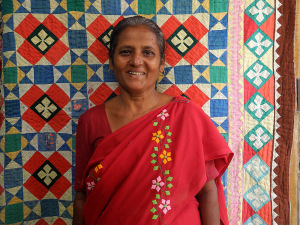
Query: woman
[144, 157]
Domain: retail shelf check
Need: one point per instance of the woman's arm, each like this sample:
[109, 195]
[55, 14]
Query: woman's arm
[209, 204]
[78, 208]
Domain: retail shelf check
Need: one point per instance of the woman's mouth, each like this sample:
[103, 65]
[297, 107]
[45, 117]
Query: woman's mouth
[136, 73]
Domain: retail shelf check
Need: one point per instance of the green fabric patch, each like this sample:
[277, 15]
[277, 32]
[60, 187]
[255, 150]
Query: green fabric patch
[74, 142]
[14, 213]
[7, 7]
[218, 74]
[10, 75]
[12, 142]
[147, 7]
[75, 5]
[78, 73]
[218, 6]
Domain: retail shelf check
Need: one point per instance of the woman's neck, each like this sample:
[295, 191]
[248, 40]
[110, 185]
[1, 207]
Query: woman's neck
[139, 103]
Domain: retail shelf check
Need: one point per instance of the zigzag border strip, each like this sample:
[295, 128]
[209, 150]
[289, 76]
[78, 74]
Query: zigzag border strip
[236, 106]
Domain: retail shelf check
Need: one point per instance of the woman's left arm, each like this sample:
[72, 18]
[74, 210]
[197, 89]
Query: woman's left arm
[209, 204]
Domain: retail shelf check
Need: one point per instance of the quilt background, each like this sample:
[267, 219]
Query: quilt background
[235, 58]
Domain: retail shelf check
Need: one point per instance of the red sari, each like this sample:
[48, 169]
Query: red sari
[149, 171]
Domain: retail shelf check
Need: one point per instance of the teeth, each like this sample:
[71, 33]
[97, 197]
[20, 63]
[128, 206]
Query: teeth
[135, 73]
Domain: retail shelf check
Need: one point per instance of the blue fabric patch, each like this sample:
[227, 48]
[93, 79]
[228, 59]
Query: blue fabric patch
[79, 107]
[9, 42]
[47, 141]
[182, 7]
[12, 108]
[111, 7]
[183, 74]
[218, 108]
[77, 39]
[40, 6]
[43, 75]
[217, 39]
[49, 207]
[13, 178]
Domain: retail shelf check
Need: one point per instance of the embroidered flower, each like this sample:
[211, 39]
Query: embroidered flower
[99, 167]
[166, 156]
[157, 136]
[90, 185]
[165, 205]
[163, 114]
[157, 184]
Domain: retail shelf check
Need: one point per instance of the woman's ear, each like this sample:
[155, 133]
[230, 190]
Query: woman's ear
[162, 64]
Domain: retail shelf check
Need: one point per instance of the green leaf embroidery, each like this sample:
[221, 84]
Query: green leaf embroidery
[169, 141]
[156, 149]
[155, 124]
[154, 202]
[170, 178]
[155, 217]
[166, 146]
[153, 210]
[153, 155]
[167, 127]
[155, 168]
[170, 185]
[167, 193]
[169, 134]
[157, 196]
[153, 161]
[167, 171]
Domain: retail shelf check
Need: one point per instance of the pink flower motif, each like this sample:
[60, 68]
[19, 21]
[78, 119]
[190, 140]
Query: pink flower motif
[163, 114]
[90, 185]
[157, 184]
[165, 205]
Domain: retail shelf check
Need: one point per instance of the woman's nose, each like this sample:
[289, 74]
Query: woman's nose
[136, 60]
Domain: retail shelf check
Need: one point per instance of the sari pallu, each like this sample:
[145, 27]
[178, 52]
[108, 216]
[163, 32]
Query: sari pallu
[150, 170]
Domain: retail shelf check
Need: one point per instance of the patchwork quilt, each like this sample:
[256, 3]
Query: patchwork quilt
[232, 57]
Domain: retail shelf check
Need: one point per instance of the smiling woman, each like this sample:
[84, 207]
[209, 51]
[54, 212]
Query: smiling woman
[144, 157]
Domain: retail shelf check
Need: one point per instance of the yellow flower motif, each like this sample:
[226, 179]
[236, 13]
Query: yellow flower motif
[156, 136]
[166, 156]
[99, 167]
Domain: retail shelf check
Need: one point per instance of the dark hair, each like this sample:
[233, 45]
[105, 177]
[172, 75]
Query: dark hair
[132, 22]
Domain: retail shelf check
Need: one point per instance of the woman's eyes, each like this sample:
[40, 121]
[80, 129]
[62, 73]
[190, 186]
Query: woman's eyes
[125, 52]
[148, 52]
[128, 52]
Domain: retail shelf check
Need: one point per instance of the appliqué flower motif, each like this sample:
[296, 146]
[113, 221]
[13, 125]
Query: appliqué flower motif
[163, 114]
[157, 136]
[157, 184]
[165, 205]
[90, 185]
[166, 156]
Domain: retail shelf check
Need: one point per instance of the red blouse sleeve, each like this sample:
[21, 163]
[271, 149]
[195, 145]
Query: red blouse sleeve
[92, 127]
[211, 170]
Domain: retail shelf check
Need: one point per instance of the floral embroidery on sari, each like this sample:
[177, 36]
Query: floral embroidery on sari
[93, 177]
[161, 157]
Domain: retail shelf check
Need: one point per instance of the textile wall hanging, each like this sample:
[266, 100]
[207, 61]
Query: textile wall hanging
[235, 58]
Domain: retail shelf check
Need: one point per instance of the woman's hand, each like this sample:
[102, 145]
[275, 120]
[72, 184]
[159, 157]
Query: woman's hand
[78, 208]
[209, 204]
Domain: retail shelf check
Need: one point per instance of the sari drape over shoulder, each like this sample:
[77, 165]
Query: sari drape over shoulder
[150, 170]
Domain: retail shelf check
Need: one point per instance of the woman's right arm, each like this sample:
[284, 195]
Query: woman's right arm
[78, 208]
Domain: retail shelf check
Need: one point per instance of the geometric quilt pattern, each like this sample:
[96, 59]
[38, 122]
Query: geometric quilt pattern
[219, 53]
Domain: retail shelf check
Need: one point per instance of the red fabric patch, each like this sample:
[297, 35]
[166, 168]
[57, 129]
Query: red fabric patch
[101, 94]
[56, 52]
[55, 26]
[173, 91]
[170, 26]
[99, 26]
[196, 95]
[100, 51]
[30, 53]
[195, 53]
[27, 26]
[195, 27]
[249, 27]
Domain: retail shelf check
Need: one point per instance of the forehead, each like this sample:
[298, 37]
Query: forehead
[137, 35]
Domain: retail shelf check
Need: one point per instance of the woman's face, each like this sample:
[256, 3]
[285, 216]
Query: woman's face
[137, 61]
